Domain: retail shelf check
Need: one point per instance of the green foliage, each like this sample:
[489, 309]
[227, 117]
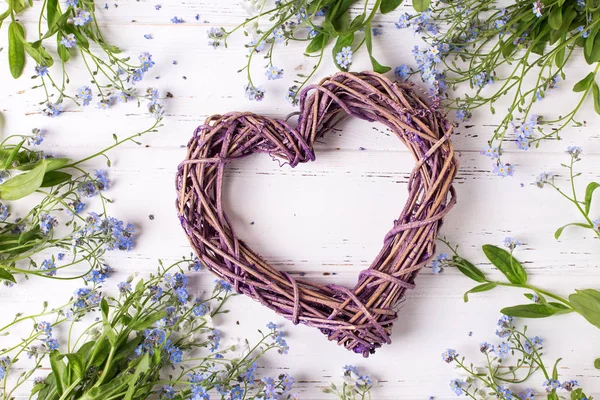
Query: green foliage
[166, 341]
[584, 302]
[516, 54]
[58, 188]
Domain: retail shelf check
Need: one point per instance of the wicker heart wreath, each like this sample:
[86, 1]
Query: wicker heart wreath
[361, 318]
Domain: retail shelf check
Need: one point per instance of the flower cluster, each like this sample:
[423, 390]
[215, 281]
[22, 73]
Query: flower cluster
[583, 206]
[85, 239]
[313, 23]
[158, 326]
[355, 385]
[477, 53]
[500, 370]
[110, 72]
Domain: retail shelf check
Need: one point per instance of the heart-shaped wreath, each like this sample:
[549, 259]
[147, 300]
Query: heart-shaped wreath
[361, 318]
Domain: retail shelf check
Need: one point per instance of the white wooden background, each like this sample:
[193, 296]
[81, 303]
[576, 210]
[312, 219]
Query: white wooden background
[328, 218]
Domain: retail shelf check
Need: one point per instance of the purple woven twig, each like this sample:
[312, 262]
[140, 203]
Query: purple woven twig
[361, 318]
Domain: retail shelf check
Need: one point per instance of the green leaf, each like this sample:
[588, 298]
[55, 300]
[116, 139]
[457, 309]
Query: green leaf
[559, 231]
[478, 289]
[76, 364]
[6, 276]
[51, 164]
[108, 390]
[108, 329]
[470, 270]
[148, 320]
[24, 184]
[318, 43]
[389, 5]
[587, 303]
[421, 5]
[30, 235]
[52, 12]
[100, 353]
[596, 95]
[59, 369]
[142, 367]
[589, 193]
[597, 363]
[555, 17]
[535, 310]
[555, 369]
[16, 50]
[506, 263]
[54, 178]
[7, 157]
[38, 53]
[559, 59]
[61, 49]
[585, 83]
[381, 69]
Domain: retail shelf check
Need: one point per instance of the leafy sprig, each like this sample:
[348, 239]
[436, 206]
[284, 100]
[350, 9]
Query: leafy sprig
[314, 22]
[356, 386]
[60, 188]
[510, 363]
[74, 27]
[544, 303]
[584, 205]
[519, 52]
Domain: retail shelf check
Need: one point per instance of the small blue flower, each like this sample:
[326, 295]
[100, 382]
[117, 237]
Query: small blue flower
[200, 309]
[403, 21]
[491, 151]
[486, 347]
[527, 394]
[177, 20]
[85, 94]
[511, 243]
[71, 3]
[69, 41]
[51, 343]
[377, 31]
[82, 17]
[279, 35]
[124, 287]
[3, 212]
[402, 71]
[148, 36]
[254, 93]
[273, 73]
[538, 7]
[503, 350]
[551, 384]
[574, 151]
[569, 385]
[48, 264]
[45, 327]
[53, 109]
[40, 70]
[344, 57]
[504, 170]
[449, 355]
[456, 386]
[167, 392]
[221, 285]
[272, 326]
[37, 136]
[463, 115]
[47, 222]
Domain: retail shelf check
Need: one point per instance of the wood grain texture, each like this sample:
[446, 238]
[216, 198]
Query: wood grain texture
[338, 207]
